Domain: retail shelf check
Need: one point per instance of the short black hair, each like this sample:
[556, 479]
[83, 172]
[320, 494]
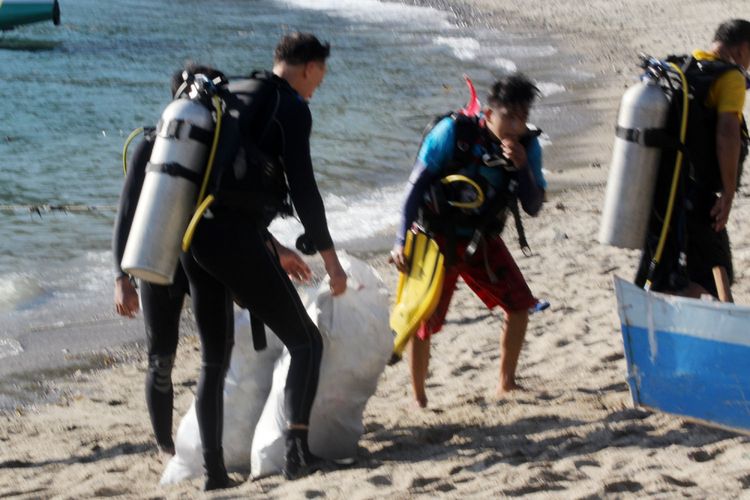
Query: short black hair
[301, 48]
[733, 32]
[512, 90]
[193, 68]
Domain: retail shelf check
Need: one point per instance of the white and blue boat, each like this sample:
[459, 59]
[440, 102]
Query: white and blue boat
[686, 356]
[15, 13]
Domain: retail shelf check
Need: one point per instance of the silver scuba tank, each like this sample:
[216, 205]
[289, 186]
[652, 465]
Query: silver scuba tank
[170, 190]
[634, 167]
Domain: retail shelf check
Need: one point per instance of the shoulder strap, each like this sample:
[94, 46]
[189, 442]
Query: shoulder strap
[467, 134]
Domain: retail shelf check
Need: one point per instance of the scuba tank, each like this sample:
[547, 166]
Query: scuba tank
[185, 137]
[643, 115]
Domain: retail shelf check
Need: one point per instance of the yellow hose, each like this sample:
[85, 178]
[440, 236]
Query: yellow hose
[203, 204]
[188, 236]
[212, 154]
[675, 177]
[462, 178]
[130, 138]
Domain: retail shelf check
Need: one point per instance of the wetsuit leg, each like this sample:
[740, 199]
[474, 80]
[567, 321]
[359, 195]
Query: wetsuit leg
[212, 306]
[161, 312]
[236, 254]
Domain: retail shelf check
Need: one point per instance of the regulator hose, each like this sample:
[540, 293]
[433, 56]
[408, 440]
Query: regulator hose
[130, 139]
[675, 179]
[203, 204]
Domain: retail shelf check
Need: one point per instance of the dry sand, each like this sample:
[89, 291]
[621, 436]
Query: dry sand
[571, 434]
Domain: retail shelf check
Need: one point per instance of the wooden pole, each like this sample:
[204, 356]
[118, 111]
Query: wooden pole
[722, 284]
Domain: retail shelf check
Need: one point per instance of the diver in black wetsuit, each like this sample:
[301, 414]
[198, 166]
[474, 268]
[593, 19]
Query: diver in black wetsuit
[162, 305]
[264, 148]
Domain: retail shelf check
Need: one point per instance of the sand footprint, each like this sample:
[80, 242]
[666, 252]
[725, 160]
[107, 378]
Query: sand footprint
[683, 483]
[701, 456]
[380, 480]
[463, 369]
[623, 487]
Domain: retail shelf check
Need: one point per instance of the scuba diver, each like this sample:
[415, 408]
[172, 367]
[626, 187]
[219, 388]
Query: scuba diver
[716, 144]
[162, 304]
[502, 158]
[262, 167]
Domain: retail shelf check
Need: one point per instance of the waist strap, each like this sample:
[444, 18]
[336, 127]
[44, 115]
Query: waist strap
[176, 170]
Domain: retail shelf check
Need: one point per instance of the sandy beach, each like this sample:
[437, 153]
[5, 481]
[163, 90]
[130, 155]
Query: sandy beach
[571, 433]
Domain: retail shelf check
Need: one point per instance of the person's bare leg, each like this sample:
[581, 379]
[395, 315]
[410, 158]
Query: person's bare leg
[419, 362]
[514, 330]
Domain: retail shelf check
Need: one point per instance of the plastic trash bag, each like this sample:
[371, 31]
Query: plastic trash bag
[246, 389]
[356, 345]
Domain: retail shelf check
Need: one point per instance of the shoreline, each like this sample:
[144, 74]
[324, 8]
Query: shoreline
[572, 433]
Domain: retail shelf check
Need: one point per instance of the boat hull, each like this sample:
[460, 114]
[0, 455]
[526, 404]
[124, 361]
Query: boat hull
[20, 12]
[685, 356]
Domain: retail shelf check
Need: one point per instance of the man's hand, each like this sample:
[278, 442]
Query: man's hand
[398, 258]
[728, 145]
[293, 264]
[720, 211]
[337, 280]
[336, 274]
[515, 152]
[126, 297]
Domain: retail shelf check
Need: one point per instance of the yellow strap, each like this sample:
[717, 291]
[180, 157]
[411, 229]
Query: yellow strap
[449, 179]
[675, 176]
[130, 138]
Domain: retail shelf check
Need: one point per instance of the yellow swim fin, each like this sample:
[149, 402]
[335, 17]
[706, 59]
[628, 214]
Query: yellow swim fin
[418, 291]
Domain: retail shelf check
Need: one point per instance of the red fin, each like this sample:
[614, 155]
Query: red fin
[473, 107]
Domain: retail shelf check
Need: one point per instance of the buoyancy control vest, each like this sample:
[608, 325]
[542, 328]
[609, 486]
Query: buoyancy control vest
[464, 198]
[248, 179]
[700, 141]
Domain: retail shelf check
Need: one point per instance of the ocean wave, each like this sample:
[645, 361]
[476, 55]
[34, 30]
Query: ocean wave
[17, 289]
[549, 88]
[351, 219]
[374, 11]
[463, 48]
[505, 64]
[10, 347]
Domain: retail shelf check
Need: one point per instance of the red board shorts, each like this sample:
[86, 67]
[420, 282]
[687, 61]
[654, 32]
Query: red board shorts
[510, 290]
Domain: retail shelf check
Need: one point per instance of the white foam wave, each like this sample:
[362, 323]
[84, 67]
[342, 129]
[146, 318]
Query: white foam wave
[549, 88]
[351, 219]
[10, 347]
[529, 51]
[15, 289]
[374, 11]
[464, 48]
[505, 64]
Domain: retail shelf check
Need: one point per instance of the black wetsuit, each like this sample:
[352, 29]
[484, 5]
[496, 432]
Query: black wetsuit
[229, 257]
[161, 304]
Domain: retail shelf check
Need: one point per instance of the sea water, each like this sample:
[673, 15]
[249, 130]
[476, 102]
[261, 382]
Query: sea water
[72, 94]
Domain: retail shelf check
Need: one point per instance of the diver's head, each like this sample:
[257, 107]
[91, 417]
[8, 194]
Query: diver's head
[508, 105]
[300, 59]
[732, 42]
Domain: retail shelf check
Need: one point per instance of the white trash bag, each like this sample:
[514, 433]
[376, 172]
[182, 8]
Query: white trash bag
[246, 387]
[356, 346]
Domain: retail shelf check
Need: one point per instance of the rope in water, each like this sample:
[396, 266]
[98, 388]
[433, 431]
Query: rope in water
[65, 208]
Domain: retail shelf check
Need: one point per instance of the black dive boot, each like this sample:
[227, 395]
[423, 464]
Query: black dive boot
[216, 473]
[299, 461]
